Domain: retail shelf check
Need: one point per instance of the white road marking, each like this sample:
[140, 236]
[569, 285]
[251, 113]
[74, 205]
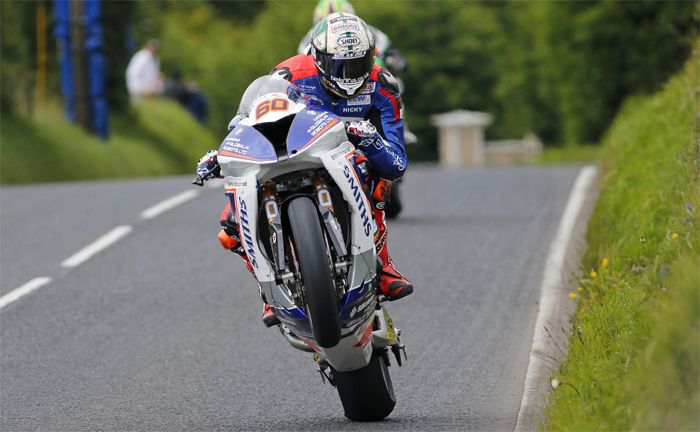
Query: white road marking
[169, 204]
[23, 290]
[97, 246]
[100, 244]
[550, 294]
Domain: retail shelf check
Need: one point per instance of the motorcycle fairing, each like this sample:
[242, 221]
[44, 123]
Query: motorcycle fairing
[357, 304]
[307, 127]
[247, 144]
[243, 194]
[315, 148]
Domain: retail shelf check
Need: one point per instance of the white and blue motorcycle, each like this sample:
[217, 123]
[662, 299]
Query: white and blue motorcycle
[306, 226]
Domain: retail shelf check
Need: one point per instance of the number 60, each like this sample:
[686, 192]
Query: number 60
[271, 105]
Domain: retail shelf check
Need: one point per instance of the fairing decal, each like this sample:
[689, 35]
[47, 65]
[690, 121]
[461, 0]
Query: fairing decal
[246, 143]
[308, 126]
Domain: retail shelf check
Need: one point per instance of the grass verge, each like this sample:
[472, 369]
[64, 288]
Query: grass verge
[155, 138]
[634, 357]
[586, 153]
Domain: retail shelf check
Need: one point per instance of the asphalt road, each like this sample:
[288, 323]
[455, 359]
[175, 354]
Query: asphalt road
[162, 330]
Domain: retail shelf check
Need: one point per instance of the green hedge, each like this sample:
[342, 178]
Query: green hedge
[155, 138]
[634, 358]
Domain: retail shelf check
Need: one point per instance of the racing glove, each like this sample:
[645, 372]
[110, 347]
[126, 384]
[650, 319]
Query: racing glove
[208, 162]
[386, 162]
[361, 133]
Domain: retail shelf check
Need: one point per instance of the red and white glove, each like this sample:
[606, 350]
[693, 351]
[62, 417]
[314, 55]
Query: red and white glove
[361, 133]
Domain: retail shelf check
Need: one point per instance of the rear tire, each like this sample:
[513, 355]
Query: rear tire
[311, 251]
[394, 206]
[367, 394]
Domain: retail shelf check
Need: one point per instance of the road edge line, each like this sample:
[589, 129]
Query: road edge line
[551, 294]
[23, 290]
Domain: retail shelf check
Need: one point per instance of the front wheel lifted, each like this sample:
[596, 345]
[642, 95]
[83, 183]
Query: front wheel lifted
[315, 268]
[367, 394]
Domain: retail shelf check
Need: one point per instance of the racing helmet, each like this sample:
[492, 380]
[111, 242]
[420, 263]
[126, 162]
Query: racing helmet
[327, 7]
[343, 49]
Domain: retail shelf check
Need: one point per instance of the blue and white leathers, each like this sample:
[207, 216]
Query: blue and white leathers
[379, 102]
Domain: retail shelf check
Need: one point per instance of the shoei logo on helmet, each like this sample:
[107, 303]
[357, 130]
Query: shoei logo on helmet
[348, 39]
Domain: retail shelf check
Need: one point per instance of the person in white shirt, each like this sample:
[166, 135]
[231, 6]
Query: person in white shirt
[143, 77]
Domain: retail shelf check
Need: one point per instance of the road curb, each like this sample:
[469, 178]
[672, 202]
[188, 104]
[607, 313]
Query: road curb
[553, 323]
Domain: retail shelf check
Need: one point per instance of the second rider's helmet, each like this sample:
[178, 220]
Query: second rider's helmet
[342, 46]
[327, 7]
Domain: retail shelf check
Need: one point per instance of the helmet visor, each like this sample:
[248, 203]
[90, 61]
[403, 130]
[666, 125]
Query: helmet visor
[346, 68]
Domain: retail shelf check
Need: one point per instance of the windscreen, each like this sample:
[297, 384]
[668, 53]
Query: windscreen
[265, 85]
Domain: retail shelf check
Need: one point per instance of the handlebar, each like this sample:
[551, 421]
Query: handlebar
[200, 179]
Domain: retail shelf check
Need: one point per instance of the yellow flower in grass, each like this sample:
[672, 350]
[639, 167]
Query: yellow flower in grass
[605, 262]
[572, 295]
[593, 274]
[674, 236]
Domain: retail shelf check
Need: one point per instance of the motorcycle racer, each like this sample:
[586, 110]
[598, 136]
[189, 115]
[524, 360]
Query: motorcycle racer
[340, 74]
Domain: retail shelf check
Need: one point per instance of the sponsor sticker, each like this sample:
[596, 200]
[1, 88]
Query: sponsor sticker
[344, 19]
[363, 99]
[348, 55]
[358, 194]
[341, 151]
[344, 26]
[321, 120]
[369, 88]
[234, 145]
[361, 307]
[246, 232]
[352, 110]
[235, 183]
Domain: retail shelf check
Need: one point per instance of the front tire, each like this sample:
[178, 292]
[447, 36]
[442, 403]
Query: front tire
[367, 394]
[311, 252]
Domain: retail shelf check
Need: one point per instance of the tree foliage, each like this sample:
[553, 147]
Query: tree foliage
[560, 69]
[16, 56]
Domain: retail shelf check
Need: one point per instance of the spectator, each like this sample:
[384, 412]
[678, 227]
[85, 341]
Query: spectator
[188, 95]
[143, 77]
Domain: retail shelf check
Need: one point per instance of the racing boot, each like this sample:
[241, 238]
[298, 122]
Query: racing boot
[391, 283]
[229, 237]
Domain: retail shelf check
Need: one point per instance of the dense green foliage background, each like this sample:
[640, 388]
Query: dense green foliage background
[560, 69]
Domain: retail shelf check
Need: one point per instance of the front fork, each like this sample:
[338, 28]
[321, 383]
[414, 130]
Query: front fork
[274, 220]
[324, 202]
[325, 207]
